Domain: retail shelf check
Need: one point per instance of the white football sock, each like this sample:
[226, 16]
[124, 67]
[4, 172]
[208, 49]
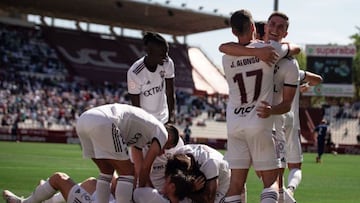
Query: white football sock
[124, 189]
[103, 188]
[233, 199]
[294, 178]
[269, 195]
[41, 193]
[57, 198]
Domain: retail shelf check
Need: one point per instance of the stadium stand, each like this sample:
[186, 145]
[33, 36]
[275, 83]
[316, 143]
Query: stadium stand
[49, 75]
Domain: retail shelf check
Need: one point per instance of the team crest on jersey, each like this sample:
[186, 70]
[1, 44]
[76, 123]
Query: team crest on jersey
[162, 74]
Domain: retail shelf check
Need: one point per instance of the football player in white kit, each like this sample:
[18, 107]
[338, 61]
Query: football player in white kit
[294, 155]
[105, 134]
[215, 169]
[178, 184]
[286, 77]
[194, 159]
[249, 120]
[150, 79]
[46, 191]
[151, 87]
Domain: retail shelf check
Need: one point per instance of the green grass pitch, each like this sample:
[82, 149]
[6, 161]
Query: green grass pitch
[22, 165]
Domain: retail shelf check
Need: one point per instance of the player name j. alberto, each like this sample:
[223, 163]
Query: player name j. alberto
[244, 62]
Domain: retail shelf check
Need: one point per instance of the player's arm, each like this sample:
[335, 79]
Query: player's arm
[310, 79]
[170, 97]
[135, 99]
[287, 99]
[154, 150]
[266, 54]
[134, 90]
[294, 49]
[137, 158]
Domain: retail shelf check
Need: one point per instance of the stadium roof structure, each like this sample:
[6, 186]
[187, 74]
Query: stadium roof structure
[123, 13]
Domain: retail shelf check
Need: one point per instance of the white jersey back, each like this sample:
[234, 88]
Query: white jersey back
[211, 162]
[250, 81]
[137, 127]
[151, 86]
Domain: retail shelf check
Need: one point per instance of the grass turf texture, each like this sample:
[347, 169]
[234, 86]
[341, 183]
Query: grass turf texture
[22, 165]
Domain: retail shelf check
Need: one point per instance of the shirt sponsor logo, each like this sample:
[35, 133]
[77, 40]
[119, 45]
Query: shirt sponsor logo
[244, 110]
[154, 90]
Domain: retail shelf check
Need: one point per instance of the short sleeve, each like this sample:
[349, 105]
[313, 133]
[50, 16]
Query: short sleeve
[281, 48]
[210, 168]
[169, 69]
[133, 83]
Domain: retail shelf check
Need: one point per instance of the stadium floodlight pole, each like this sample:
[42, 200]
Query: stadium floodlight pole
[276, 5]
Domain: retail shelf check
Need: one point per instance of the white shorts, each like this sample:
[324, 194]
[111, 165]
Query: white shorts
[293, 143]
[279, 138]
[148, 195]
[252, 146]
[79, 195]
[99, 137]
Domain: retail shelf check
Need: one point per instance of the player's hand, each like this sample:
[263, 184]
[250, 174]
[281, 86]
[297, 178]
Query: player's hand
[304, 87]
[199, 183]
[264, 110]
[268, 55]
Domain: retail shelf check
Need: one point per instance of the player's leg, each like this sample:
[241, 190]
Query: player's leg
[103, 189]
[294, 158]
[58, 181]
[237, 182]
[239, 159]
[89, 185]
[99, 144]
[125, 181]
[266, 160]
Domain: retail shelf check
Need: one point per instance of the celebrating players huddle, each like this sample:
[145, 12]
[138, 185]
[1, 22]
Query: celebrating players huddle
[138, 150]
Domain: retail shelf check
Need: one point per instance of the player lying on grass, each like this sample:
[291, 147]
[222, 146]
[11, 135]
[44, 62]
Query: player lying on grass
[70, 191]
[177, 186]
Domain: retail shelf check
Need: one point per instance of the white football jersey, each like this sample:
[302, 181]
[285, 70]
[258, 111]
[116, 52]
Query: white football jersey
[211, 162]
[151, 86]
[137, 127]
[157, 174]
[286, 73]
[250, 81]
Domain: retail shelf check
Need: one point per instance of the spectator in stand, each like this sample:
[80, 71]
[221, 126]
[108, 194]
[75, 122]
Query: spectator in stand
[187, 134]
[321, 130]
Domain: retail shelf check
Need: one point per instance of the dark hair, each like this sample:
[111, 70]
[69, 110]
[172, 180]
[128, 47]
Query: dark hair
[241, 21]
[260, 28]
[178, 162]
[183, 183]
[173, 132]
[151, 37]
[187, 164]
[281, 15]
